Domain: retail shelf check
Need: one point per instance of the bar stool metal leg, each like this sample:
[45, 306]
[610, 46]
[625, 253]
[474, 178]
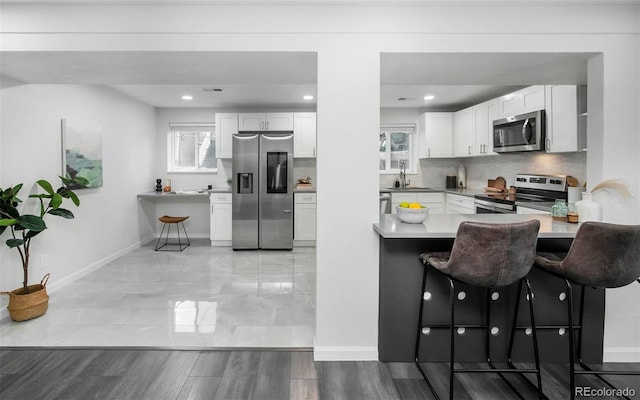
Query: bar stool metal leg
[419, 337]
[452, 326]
[160, 238]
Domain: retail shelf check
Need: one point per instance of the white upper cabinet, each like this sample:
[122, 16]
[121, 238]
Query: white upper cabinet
[435, 134]
[265, 122]
[525, 100]
[304, 135]
[463, 133]
[566, 118]
[226, 127]
[473, 130]
[493, 113]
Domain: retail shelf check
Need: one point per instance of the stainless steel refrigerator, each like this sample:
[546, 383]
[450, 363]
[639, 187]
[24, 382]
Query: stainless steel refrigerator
[262, 190]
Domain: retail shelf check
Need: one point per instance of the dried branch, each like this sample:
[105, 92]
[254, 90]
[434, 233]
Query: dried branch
[615, 185]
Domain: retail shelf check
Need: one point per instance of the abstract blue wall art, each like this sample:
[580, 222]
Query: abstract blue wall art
[82, 152]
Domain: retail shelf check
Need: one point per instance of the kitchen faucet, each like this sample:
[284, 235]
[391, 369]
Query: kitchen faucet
[403, 175]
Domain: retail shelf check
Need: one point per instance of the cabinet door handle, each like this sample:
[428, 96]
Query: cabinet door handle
[428, 152]
[469, 150]
[314, 151]
[211, 208]
[266, 125]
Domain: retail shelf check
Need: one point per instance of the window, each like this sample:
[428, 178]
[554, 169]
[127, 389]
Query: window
[397, 148]
[192, 148]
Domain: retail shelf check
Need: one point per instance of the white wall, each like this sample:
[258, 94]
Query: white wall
[107, 222]
[350, 38]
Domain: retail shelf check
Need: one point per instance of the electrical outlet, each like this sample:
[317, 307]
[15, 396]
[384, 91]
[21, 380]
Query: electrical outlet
[44, 262]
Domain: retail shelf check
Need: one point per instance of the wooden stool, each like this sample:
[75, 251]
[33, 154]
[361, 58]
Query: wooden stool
[167, 222]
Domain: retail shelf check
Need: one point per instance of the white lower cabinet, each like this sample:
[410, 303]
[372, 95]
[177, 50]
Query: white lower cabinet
[221, 219]
[457, 204]
[434, 201]
[304, 218]
[527, 210]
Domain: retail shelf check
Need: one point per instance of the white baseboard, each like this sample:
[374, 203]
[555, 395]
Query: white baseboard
[304, 243]
[345, 353]
[621, 354]
[59, 284]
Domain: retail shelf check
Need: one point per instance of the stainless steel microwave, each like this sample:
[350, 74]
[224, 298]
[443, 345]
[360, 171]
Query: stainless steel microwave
[525, 132]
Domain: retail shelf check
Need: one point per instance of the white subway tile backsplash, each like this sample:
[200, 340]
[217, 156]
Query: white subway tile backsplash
[480, 169]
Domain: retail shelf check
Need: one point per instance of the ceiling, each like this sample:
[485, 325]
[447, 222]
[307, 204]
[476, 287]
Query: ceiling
[280, 79]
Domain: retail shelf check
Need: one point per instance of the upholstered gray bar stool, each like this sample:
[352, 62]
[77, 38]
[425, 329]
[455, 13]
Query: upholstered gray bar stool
[488, 256]
[602, 256]
[167, 221]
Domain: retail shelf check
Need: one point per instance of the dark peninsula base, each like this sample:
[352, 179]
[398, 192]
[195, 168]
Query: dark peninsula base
[400, 281]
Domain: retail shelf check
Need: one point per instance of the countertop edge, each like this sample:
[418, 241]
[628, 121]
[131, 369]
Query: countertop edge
[444, 226]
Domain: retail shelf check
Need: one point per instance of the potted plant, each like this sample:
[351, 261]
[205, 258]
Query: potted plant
[31, 301]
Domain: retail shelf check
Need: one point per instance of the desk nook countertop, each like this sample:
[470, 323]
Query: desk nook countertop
[400, 277]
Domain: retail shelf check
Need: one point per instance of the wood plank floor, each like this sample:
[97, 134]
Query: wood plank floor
[121, 374]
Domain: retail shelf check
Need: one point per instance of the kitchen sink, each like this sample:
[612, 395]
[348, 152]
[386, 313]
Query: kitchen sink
[408, 189]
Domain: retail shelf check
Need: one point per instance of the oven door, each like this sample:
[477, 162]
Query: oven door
[490, 207]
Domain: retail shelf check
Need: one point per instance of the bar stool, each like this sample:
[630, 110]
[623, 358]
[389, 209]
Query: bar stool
[604, 256]
[167, 222]
[487, 256]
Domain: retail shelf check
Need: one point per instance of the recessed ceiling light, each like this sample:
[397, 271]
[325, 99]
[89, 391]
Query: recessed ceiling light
[429, 97]
[307, 97]
[187, 97]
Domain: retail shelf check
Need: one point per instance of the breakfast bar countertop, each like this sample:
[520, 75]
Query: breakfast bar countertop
[446, 225]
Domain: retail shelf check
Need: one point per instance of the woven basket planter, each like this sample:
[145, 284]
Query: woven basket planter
[23, 307]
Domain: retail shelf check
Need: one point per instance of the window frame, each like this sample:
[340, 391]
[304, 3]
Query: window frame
[194, 128]
[409, 129]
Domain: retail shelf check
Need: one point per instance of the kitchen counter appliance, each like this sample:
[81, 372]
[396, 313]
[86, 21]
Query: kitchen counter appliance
[525, 132]
[528, 189]
[262, 190]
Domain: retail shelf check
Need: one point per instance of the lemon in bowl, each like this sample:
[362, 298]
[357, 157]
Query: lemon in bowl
[412, 213]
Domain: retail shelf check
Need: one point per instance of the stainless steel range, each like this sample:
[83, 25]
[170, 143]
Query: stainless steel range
[529, 189]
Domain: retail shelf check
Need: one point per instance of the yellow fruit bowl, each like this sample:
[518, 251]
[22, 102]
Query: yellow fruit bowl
[412, 215]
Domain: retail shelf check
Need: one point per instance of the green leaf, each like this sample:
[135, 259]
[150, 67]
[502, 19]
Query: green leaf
[81, 181]
[61, 212]
[16, 189]
[69, 194]
[7, 221]
[56, 201]
[46, 186]
[7, 210]
[14, 242]
[74, 198]
[31, 234]
[31, 222]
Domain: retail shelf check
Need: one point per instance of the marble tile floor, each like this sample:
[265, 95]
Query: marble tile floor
[203, 297]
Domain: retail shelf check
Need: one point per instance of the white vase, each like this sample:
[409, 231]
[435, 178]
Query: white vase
[587, 209]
